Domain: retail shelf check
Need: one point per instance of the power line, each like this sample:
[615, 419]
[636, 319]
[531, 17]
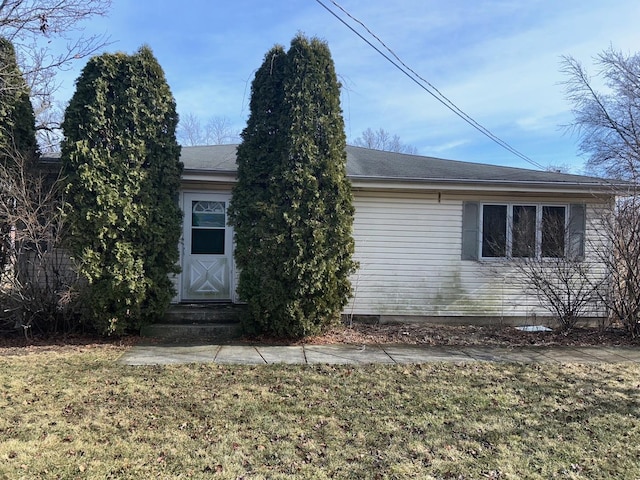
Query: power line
[395, 60]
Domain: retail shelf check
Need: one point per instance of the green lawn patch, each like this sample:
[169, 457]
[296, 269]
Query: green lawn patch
[81, 415]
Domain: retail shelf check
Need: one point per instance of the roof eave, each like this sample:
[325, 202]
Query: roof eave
[481, 185]
[379, 183]
[204, 175]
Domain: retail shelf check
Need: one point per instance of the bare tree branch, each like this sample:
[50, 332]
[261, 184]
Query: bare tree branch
[190, 130]
[33, 26]
[383, 140]
[565, 284]
[607, 122]
[37, 283]
[620, 229]
[217, 131]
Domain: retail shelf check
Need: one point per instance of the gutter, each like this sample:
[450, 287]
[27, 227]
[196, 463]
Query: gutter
[600, 186]
[414, 181]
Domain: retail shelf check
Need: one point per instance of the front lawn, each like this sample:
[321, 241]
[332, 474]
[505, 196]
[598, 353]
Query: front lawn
[78, 414]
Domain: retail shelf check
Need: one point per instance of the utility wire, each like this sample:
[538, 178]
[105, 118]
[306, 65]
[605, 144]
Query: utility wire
[423, 83]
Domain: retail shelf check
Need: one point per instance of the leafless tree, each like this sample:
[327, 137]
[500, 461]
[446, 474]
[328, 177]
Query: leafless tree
[220, 131]
[216, 131]
[558, 168]
[620, 229]
[608, 122]
[48, 37]
[37, 286]
[383, 140]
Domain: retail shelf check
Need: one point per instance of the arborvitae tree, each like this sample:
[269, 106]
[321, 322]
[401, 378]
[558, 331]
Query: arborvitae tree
[18, 145]
[292, 206]
[17, 121]
[122, 160]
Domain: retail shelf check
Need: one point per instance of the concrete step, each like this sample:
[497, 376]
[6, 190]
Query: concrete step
[209, 313]
[192, 333]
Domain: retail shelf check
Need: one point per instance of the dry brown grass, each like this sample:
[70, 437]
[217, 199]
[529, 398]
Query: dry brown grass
[76, 413]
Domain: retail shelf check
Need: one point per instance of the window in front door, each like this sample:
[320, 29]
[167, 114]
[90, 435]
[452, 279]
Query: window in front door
[208, 220]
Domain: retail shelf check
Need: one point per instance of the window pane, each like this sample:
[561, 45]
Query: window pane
[553, 231]
[494, 231]
[207, 241]
[208, 214]
[524, 231]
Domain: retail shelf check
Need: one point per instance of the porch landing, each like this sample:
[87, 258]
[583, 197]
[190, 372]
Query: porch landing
[196, 323]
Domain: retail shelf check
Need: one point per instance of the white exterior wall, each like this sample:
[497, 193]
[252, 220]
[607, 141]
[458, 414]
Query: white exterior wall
[409, 249]
[409, 246]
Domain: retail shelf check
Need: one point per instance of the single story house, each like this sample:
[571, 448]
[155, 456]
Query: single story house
[435, 239]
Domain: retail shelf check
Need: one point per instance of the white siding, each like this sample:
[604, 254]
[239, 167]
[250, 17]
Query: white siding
[409, 249]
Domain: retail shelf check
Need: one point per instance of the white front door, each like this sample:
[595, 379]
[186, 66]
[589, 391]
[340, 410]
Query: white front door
[208, 252]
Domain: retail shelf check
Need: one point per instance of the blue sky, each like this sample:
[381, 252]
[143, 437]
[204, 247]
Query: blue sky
[498, 60]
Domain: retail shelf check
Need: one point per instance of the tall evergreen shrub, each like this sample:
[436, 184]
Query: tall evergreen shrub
[17, 120]
[122, 161]
[292, 206]
[18, 145]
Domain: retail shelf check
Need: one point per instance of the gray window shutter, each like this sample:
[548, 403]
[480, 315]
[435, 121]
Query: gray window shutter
[576, 230]
[470, 230]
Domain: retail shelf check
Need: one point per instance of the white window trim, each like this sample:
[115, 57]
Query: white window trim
[509, 236]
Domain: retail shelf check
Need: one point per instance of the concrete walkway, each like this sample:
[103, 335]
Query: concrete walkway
[363, 354]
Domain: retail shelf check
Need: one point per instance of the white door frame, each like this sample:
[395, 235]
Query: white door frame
[207, 269]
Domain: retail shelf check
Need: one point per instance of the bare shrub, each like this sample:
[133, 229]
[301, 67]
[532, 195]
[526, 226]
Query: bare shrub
[566, 287]
[551, 264]
[620, 229]
[39, 287]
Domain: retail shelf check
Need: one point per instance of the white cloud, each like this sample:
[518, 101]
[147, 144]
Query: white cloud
[446, 147]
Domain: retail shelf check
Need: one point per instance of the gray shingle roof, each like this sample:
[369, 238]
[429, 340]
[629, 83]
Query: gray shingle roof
[364, 163]
[221, 158]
